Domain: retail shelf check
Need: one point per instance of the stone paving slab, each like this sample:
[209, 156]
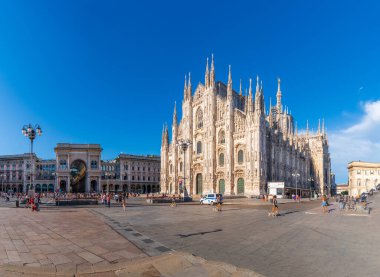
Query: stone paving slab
[64, 241]
[78, 242]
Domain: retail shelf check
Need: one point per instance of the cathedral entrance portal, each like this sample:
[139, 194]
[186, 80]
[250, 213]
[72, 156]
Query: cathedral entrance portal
[78, 176]
[199, 184]
[240, 186]
[222, 186]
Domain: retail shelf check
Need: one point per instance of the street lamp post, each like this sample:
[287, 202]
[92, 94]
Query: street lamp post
[295, 174]
[107, 175]
[31, 132]
[184, 145]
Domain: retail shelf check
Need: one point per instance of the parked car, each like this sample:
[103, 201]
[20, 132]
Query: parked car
[210, 198]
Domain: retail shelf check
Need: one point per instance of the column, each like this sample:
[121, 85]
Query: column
[68, 184]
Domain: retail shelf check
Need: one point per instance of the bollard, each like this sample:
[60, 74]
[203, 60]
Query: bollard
[17, 203]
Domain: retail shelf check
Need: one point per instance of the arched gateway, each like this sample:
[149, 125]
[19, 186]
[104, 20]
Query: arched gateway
[78, 176]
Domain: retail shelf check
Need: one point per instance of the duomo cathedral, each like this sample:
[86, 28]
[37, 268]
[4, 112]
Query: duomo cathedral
[236, 146]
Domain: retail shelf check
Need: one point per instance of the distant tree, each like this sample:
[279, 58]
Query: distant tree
[344, 192]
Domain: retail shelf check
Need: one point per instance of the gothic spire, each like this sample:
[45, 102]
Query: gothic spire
[207, 75]
[212, 73]
[162, 134]
[189, 87]
[240, 90]
[319, 126]
[229, 85]
[323, 126]
[229, 75]
[307, 127]
[250, 104]
[250, 87]
[175, 114]
[257, 84]
[279, 106]
[185, 89]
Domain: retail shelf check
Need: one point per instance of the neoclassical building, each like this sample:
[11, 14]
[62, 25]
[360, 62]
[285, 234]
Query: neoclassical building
[237, 146]
[362, 177]
[79, 168]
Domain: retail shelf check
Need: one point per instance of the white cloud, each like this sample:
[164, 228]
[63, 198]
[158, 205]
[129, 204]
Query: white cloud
[360, 141]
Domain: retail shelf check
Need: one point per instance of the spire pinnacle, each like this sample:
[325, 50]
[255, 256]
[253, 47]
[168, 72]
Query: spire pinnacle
[323, 126]
[279, 106]
[278, 85]
[212, 73]
[319, 126]
[207, 75]
[250, 87]
[185, 88]
[240, 90]
[189, 87]
[175, 113]
[257, 83]
[307, 127]
[229, 75]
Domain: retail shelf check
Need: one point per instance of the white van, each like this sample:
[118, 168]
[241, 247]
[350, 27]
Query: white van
[210, 198]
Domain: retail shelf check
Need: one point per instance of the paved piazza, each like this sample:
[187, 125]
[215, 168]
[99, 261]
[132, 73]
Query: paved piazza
[300, 242]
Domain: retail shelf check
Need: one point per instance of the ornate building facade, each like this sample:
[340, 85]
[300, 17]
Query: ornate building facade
[362, 177]
[237, 147]
[79, 168]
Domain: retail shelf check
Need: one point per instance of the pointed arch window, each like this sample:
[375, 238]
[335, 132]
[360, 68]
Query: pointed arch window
[199, 147]
[221, 159]
[240, 157]
[199, 118]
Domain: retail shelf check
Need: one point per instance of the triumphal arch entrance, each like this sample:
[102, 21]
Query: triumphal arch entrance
[78, 167]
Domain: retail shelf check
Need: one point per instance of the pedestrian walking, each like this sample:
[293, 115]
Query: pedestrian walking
[108, 199]
[124, 204]
[219, 203]
[275, 210]
[324, 203]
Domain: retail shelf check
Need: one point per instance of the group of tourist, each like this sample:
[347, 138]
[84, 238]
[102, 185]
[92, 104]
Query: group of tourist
[348, 202]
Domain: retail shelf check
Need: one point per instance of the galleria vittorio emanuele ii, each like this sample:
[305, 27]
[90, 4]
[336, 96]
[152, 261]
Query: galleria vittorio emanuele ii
[236, 146]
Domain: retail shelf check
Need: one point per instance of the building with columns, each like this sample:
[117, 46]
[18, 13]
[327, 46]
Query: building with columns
[238, 146]
[79, 168]
[362, 177]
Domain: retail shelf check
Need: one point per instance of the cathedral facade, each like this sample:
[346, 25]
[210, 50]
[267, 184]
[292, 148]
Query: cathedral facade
[236, 147]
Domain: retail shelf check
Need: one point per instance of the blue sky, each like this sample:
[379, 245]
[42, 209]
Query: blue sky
[109, 72]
